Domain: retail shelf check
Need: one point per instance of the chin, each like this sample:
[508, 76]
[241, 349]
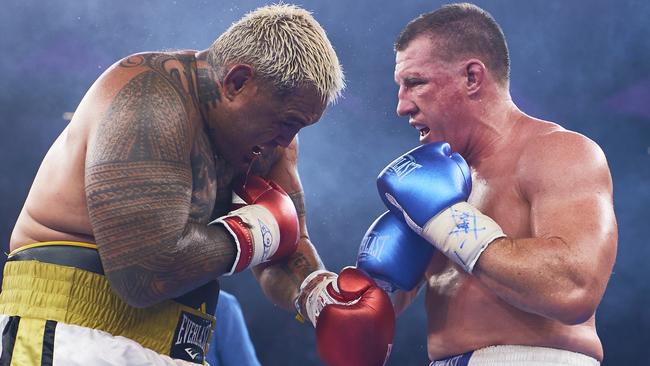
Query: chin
[434, 137]
[236, 162]
[428, 139]
[243, 166]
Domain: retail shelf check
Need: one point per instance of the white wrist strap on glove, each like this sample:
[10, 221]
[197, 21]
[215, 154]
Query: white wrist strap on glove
[263, 228]
[317, 296]
[462, 233]
[316, 293]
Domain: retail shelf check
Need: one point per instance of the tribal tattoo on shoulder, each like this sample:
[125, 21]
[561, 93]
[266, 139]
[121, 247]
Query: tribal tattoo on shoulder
[159, 62]
[146, 121]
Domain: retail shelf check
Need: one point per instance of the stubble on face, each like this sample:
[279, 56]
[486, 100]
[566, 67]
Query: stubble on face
[428, 94]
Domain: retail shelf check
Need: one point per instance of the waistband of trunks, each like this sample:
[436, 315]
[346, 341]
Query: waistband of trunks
[85, 256]
[518, 355]
[32, 288]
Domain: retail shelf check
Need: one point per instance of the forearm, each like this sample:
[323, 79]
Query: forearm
[281, 281]
[172, 266]
[541, 276]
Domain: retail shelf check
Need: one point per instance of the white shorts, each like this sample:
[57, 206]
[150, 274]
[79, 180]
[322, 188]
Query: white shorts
[518, 356]
[72, 345]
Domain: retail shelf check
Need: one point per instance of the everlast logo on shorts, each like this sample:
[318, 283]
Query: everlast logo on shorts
[191, 338]
[404, 166]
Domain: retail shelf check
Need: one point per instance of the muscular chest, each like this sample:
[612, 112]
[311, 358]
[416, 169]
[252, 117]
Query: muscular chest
[498, 196]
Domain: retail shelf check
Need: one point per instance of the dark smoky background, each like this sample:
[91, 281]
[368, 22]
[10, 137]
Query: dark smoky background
[583, 64]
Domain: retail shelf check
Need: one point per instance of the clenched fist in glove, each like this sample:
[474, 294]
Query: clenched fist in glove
[354, 319]
[429, 187]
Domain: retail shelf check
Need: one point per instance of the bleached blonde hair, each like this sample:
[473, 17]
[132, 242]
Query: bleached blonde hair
[286, 46]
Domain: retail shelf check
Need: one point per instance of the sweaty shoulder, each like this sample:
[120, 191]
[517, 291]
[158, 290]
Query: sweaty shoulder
[167, 64]
[153, 86]
[554, 157]
[151, 71]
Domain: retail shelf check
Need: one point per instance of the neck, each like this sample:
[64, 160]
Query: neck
[209, 95]
[490, 123]
[207, 84]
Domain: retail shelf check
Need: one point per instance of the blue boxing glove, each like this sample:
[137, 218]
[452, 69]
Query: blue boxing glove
[429, 186]
[393, 255]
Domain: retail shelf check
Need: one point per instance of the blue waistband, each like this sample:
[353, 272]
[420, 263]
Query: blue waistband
[458, 360]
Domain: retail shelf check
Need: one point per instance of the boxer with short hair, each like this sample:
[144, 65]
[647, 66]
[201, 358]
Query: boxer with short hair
[518, 210]
[178, 168]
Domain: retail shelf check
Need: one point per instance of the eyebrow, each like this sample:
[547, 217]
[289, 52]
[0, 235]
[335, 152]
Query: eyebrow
[415, 75]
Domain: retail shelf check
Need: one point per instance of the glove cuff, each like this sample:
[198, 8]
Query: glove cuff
[462, 233]
[256, 234]
[313, 294]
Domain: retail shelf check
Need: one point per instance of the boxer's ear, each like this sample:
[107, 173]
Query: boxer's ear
[237, 79]
[474, 72]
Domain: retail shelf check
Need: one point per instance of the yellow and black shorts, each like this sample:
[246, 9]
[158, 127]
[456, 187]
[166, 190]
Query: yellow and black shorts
[57, 308]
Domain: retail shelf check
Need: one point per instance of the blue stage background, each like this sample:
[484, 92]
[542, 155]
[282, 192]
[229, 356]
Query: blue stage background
[584, 64]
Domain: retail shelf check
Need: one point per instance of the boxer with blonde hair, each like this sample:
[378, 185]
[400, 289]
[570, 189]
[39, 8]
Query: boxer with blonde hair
[178, 168]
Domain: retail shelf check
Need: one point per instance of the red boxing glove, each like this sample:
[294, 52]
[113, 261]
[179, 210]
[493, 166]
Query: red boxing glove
[354, 319]
[264, 224]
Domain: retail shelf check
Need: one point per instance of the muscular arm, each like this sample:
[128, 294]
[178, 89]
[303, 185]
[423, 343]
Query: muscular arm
[139, 192]
[562, 271]
[281, 281]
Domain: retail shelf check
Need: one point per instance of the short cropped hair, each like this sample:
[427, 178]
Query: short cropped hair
[462, 30]
[286, 46]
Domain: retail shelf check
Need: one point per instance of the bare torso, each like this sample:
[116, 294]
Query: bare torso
[463, 315]
[56, 207]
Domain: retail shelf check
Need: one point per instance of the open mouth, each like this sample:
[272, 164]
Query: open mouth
[423, 133]
[254, 153]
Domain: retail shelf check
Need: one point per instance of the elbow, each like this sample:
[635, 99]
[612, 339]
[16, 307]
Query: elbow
[576, 316]
[134, 295]
[577, 295]
[576, 307]
[139, 302]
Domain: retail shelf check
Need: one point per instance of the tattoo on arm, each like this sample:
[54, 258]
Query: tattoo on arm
[139, 189]
[298, 199]
[298, 267]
